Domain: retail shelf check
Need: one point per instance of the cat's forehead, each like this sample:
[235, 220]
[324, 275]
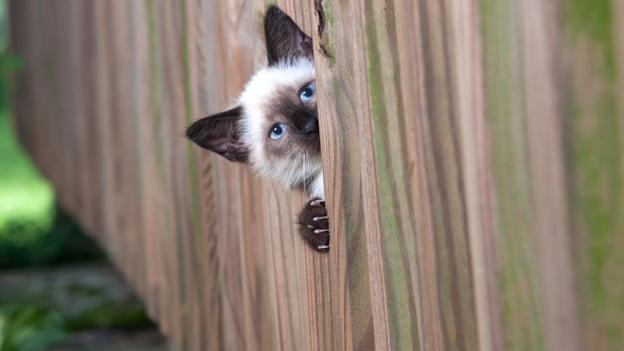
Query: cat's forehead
[269, 81]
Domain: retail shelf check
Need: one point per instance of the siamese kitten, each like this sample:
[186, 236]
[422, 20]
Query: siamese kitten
[273, 126]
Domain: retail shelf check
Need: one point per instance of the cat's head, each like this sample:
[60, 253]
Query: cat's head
[274, 124]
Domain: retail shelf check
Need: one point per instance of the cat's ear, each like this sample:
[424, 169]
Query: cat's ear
[220, 133]
[284, 39]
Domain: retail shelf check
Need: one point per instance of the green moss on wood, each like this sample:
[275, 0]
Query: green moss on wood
[596, 145]
[504, 108]
[593, 19]
[188, 110]
[391, 226]
[326, 43]
[400, 323]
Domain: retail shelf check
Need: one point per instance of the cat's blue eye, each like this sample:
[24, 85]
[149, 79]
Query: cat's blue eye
[277, 131]
[307, 93]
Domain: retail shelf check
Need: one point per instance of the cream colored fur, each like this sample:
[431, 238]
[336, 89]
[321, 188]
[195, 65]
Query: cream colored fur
[254, 99]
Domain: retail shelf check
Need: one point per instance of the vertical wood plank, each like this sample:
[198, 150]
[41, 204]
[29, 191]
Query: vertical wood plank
[394, 168]
[593, 43]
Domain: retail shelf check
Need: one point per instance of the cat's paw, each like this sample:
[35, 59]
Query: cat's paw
[314, 225]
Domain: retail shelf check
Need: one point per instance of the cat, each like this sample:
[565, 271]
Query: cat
[273, 126]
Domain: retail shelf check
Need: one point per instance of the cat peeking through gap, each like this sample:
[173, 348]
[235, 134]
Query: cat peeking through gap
[273, 126]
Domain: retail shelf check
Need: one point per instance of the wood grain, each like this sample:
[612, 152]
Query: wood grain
[472, 152]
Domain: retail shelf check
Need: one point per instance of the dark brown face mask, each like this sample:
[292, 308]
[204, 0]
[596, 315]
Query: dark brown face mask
[298, 110]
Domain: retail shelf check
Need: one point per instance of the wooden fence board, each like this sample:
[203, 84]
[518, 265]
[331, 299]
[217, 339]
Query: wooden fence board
[472, 151]
[594, 106]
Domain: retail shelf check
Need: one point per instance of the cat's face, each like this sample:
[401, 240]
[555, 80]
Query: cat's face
[274, 126]
[280, 122]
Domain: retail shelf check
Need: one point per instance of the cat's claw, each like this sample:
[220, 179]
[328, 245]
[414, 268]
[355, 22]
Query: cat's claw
[314, 225]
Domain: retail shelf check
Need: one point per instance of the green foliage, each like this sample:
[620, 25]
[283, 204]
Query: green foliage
[85, 296]
[27, 241]
[23, 193]
[28, 328]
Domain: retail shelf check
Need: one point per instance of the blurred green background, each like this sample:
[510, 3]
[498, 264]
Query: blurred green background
[54, 281]
[33, 231]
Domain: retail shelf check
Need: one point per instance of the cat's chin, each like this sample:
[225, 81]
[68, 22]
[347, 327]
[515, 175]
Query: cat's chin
[288, 172]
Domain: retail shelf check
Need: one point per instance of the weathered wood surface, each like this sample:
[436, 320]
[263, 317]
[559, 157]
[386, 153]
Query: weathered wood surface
[473, 153]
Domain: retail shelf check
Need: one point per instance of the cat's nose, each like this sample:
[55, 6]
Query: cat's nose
[310, 126]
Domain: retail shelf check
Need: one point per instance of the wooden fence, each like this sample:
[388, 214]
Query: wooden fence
[473, 154]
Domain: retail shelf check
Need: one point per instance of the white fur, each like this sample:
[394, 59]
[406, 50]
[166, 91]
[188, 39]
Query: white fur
[254, 99]
[316, 188]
